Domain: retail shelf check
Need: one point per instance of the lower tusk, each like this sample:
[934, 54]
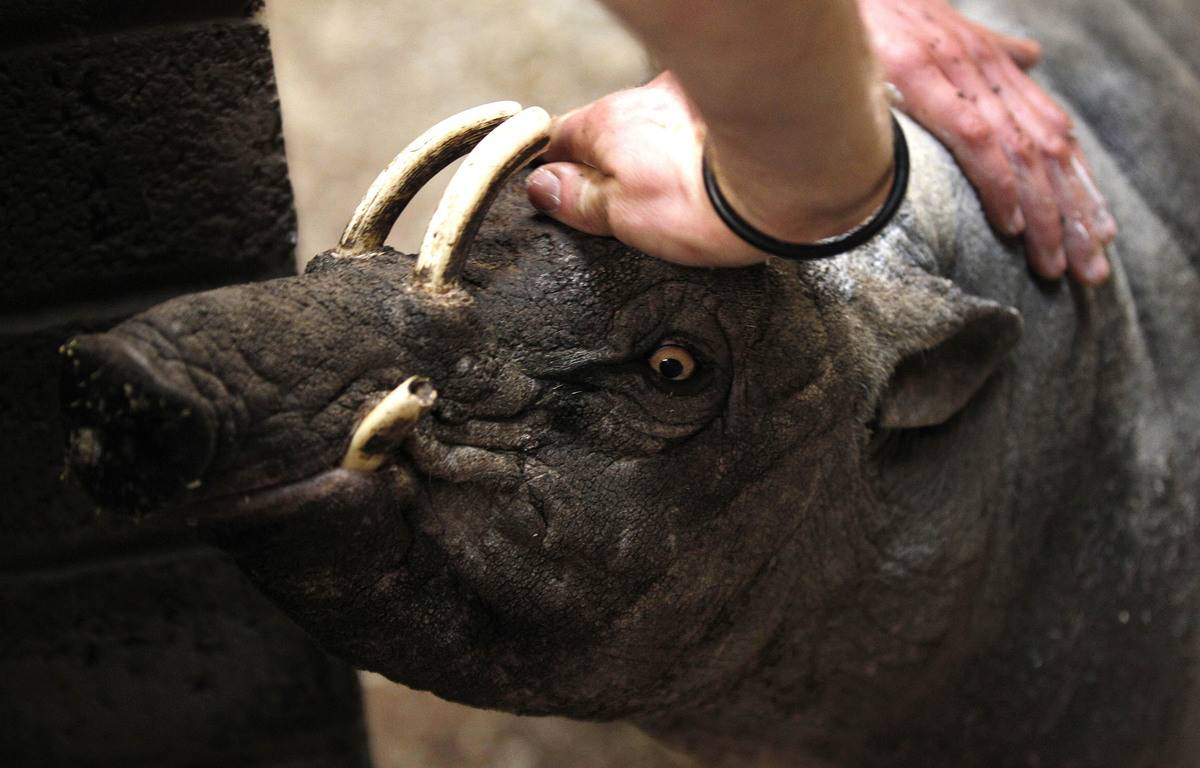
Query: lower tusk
[388, 423]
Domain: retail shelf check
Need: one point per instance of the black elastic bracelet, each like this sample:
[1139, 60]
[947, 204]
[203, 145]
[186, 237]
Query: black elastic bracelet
[824, 248]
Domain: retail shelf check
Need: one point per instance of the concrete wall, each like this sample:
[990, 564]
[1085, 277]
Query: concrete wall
[141, 157]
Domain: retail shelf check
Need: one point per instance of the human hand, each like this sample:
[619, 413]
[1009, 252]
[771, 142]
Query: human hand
[965, 83]
[628, 166]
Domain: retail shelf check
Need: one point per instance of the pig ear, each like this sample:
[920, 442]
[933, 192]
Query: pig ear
[951, 344]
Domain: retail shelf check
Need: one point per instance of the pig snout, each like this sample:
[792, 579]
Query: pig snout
[136, 434]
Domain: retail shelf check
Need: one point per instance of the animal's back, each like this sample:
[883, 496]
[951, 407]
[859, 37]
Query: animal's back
[1096, 663]
[1130, 72]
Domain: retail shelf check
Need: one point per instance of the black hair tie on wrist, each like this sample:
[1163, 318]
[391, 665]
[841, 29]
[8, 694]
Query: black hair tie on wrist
[824, 248]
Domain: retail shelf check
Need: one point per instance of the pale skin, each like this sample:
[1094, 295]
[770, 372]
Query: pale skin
[788, 100]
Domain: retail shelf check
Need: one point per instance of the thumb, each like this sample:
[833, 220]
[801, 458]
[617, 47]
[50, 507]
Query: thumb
[573, 193]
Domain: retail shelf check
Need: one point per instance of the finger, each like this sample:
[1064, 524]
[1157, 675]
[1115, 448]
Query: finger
[1078, 214]
[1084, 221]
[1104, 225]
[1085, 252]
[1024, 51]
[1045, 122]
[957, 96]
[934, 101]
[1089, 201]
[575, 137]
[1088, 264]
[1044, 234]
[1055, 119]
[1081, 246]
[575, 194]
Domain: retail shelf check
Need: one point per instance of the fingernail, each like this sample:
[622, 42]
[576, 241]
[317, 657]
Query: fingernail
[1081, 232]
[1016, 222]
[1096, 271]
[1060, 260]
[544, 188]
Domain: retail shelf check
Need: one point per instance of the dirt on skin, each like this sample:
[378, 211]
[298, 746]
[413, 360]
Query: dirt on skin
[358, 79]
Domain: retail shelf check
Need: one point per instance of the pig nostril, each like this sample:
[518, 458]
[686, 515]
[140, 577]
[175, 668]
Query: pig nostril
[136, 436]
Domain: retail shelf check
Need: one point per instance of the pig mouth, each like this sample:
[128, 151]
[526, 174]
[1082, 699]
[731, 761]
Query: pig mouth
[291, 498]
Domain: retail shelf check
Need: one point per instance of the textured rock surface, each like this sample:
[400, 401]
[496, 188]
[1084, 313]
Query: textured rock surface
[164, 657]
[157, 161]
[31, 22]
[142, 157]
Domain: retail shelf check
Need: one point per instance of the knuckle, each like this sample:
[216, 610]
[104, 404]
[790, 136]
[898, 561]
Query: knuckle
[1022, 148]
[952, 49]
[973, 128]
[592, 206]
[603, 111]
[985, 51]
[1057, 148]
[1060, 121]
[1005, 187]
[905, 60]
[1047, 217]
[971, 42]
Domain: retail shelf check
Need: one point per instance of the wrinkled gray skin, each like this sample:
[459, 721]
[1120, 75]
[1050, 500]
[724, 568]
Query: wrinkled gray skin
[880, 526]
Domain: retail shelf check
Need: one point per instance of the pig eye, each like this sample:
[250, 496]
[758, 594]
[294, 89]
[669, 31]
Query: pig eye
[673, 362]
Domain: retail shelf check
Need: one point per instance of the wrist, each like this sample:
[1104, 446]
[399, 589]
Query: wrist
[820, 247]
[794, 203]
[800, 215]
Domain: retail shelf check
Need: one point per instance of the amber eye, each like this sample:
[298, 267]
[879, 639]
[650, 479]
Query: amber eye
[673, 363]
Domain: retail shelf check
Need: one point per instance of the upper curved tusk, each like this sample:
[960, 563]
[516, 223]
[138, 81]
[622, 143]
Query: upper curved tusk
[502, 153]
[419, 162]
[388, 423]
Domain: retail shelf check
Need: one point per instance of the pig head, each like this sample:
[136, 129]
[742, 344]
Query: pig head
[640, 487]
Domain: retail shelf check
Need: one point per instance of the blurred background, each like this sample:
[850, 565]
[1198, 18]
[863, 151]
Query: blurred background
[358, 79]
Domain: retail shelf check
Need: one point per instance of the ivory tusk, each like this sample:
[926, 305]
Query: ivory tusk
[475, 185]
[419, 162]
[388, 423]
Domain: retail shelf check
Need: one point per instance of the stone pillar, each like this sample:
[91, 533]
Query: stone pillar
[140, 157]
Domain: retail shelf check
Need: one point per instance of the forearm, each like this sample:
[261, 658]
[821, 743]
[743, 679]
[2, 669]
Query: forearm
[785, 98]
[798, 127]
